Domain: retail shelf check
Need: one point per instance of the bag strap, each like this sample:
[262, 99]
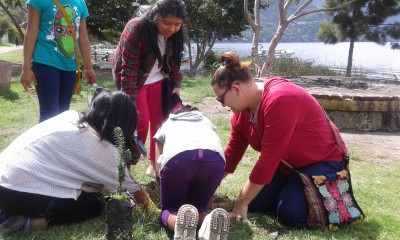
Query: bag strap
[72, 32]
[345, 156]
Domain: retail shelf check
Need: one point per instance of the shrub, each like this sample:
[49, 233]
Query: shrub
[211, 61]
[295, 67]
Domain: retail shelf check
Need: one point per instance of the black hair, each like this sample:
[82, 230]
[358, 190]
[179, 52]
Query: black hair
[186, 108]
[164, 9]
[181, 109]
[231, 70]
[108, 111]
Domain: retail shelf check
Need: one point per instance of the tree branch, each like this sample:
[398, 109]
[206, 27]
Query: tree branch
[293, 17]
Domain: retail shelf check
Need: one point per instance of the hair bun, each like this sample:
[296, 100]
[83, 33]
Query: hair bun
[230, 59]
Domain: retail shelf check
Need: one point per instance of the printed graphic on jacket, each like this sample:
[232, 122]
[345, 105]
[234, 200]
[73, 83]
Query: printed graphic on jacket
[61, 33]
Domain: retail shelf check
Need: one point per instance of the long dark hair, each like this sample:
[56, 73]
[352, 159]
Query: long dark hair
[108, 111]
[164, 9]
[186, 108]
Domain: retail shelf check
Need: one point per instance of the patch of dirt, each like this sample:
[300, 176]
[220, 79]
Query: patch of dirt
[153, 189]
[379, 148]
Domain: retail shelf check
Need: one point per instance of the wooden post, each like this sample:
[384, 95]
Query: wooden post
[5, 76]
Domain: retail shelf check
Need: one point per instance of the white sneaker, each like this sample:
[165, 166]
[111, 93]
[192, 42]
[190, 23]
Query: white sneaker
[215, 225]
[186, 223]
[150, 172]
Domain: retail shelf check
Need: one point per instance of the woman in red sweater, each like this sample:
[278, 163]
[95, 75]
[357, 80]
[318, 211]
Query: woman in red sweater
[282, 121]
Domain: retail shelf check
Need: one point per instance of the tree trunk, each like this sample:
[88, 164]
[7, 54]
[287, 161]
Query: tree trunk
[21, 34]
[284, 22]
[203, 49]
[270, 58]
[189, 52]
[350, 58]
[5, 76]
[255, 25]
[254, 52]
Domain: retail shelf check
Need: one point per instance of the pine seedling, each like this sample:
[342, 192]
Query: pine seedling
[124, 156]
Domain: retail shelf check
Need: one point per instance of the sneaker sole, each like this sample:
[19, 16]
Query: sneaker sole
[186, 220]
[219, 224]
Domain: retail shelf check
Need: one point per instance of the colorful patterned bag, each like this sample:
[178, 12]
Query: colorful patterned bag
[331, 201]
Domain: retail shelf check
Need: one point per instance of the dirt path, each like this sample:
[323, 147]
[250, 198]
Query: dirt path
[379, 148]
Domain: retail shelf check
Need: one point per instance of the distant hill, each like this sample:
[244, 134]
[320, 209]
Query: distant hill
[319, 3]
[302, 30]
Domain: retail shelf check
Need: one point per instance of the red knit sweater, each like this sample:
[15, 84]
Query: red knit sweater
[291, 125]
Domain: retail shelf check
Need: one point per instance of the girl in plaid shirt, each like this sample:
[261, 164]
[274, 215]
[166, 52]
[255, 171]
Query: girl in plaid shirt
[150, 47]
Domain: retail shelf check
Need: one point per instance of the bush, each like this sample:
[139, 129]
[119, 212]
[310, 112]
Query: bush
[211, 61]
[295, 67]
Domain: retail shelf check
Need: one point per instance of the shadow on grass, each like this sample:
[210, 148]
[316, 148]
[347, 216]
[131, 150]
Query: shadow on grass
[9, 95]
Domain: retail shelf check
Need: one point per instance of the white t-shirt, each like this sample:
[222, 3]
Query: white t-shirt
[187, 131]
[155, 74]
[55, 158]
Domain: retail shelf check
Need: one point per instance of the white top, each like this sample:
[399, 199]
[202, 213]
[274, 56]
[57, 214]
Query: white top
[155, 74]
[187, 131]
[55, 158]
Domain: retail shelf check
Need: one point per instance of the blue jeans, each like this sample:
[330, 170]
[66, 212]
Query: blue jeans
[54, 89]
[284, 197]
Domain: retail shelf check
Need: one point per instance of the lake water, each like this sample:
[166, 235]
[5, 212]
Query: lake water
[370, 56]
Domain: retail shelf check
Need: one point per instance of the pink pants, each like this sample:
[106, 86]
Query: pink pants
[149, 108]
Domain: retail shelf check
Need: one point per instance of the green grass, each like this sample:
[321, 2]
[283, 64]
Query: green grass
[13, 56]
[194, 90]
[6, 44]
[295, 67]
[376, 188]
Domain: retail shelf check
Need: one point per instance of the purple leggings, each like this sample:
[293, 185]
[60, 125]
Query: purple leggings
[190, 177]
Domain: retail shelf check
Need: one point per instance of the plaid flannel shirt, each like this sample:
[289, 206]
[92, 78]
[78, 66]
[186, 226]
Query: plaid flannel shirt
[134, 59]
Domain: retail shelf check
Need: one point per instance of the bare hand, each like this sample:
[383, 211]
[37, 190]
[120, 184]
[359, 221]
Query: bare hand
[239, 211]
[176, 90]
[27, 78]
[142, 198]
[90, 76]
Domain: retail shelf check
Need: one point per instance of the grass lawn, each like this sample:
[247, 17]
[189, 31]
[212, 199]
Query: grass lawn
[376, 188]
[6, 44]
